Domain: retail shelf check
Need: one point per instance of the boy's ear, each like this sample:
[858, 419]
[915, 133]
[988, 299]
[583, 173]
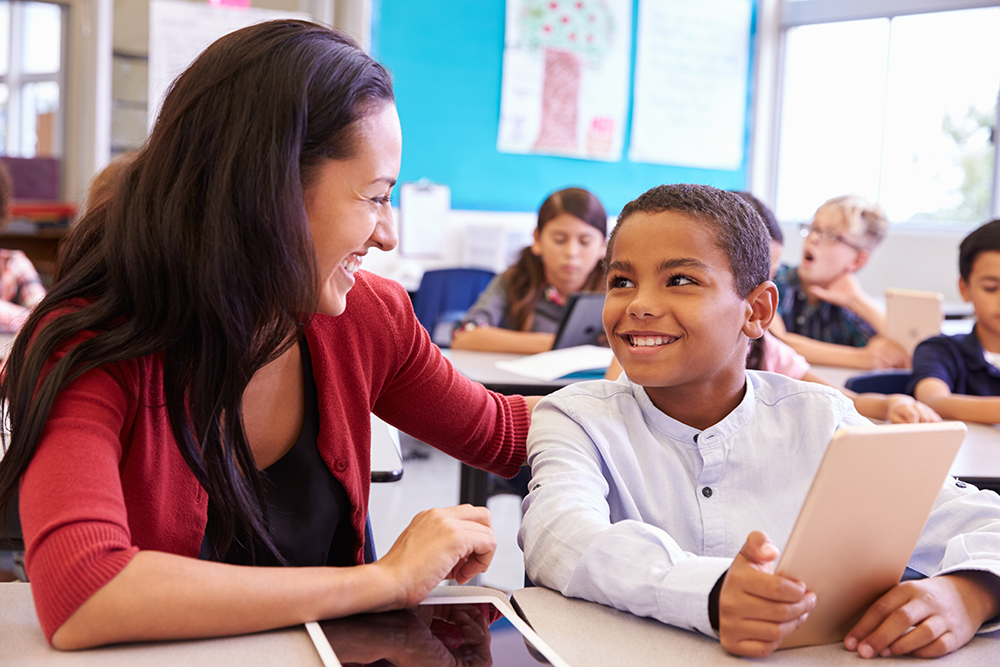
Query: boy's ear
[963, 289]
[763, 304]
[861, 259]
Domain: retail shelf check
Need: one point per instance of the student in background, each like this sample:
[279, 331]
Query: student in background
[958, 375]
[20, 287]
[191, 420]
[824, 313]
[520, 310]
[768, 353]
[687, 288]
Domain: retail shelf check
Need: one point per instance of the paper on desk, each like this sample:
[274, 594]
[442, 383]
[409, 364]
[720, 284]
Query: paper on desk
[549, 366]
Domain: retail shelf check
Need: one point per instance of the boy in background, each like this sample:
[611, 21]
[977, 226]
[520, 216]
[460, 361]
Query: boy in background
[958, 376]
[20, 286]
[656, 493]
[824, 314]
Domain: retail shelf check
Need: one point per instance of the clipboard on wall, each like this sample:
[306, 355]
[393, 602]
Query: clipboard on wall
[423, 218]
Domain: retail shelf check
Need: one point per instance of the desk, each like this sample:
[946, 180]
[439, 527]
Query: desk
[978, 461]
[586, 634]
[22, 642]
[481, 367]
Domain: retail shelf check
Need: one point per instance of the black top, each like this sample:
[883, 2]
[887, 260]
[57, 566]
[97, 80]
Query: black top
[308, 510]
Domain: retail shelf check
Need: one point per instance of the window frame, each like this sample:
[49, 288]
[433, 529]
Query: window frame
[797, 13]
[15, 79]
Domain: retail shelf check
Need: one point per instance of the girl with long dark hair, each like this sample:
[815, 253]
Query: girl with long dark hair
[193, 395]
[520, 310]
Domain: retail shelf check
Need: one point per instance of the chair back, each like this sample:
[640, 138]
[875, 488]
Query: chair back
[881, 382]
[449, 291]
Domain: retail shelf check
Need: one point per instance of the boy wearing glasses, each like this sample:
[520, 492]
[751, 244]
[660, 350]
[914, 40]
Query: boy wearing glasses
[825, 315]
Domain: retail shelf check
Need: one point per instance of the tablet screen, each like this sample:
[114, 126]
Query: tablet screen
[442, 631]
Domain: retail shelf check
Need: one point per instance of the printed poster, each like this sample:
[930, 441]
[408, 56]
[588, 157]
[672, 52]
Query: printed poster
[565, 78]
[179, 31]
[691, 72]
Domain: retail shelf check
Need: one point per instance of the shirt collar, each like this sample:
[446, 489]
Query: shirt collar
[685, 434]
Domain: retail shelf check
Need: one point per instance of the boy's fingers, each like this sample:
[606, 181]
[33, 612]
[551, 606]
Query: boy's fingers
[758, 548]
[769, 611]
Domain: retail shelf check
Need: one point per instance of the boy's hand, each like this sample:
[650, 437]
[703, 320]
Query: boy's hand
[944, 613]
[884, 352]
[758, 609]
[903, 409]
[844, 291]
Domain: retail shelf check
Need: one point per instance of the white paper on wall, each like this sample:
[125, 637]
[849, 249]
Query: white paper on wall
[423, 218]
[691, 69]
[565, 80]
[180, 30]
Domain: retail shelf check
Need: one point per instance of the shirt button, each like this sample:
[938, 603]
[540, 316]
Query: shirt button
[801, 319]
[960, 484]
[696, 438]
[340, 465]
[706, 491]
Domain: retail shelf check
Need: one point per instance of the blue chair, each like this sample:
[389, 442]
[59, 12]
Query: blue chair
[881, 382]
[444, 295]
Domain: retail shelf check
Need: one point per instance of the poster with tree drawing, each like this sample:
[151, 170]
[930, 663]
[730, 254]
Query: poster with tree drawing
[565, 78]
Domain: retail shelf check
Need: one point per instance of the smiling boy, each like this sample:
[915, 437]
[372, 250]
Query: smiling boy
[824, 314]
[958, 375]
[658, 493]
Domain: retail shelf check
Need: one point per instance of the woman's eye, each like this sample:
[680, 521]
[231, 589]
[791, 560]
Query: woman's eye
[382, 200]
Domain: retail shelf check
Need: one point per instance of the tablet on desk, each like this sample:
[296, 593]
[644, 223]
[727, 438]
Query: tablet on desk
[912, 316]
[440, 631]
[582, 323]
[862, 517]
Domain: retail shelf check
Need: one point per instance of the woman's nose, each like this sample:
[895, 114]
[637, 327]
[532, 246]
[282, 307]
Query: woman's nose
[384, 235]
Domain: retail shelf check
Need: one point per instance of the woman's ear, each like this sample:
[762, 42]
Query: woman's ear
[762, 305]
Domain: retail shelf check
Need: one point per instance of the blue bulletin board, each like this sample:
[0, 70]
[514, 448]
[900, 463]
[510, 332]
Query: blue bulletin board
[445, 57]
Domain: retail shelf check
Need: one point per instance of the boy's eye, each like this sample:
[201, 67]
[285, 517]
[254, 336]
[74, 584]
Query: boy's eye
[679, 280]
[618, 281]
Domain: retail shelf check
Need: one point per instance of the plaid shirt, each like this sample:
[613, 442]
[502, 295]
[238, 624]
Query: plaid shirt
[20, 289]
[822, 321]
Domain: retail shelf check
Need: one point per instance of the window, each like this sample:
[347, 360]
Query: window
[31, 78]
[899, 109]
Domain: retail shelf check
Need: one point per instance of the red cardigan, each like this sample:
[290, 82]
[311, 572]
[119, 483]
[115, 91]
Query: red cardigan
[108, 478]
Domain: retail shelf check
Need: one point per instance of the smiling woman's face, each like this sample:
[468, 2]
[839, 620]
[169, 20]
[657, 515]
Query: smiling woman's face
[348, 205]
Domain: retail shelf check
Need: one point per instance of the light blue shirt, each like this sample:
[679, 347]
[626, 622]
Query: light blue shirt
[633, 509]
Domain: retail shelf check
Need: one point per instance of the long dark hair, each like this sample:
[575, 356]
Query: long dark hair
[526, 277]
[203, 254]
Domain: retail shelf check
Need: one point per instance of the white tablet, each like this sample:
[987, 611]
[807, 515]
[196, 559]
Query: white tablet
[912, 316]
[440, 631]
[862, 517]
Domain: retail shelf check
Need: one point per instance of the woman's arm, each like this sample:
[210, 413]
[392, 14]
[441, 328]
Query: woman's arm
[160, 596]
[485, 338]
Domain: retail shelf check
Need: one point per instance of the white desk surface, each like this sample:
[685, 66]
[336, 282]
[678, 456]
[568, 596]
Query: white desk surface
[23, 644]
[482, 367]
[586, 634]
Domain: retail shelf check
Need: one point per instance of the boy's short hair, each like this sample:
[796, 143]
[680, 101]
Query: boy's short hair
[863, 219]
[765, 213]
[982, 239]
[740, 231]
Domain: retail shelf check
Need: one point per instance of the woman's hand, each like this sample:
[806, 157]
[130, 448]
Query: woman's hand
[444, 543]
[758, 609]
[926, 618]
[903, 409]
